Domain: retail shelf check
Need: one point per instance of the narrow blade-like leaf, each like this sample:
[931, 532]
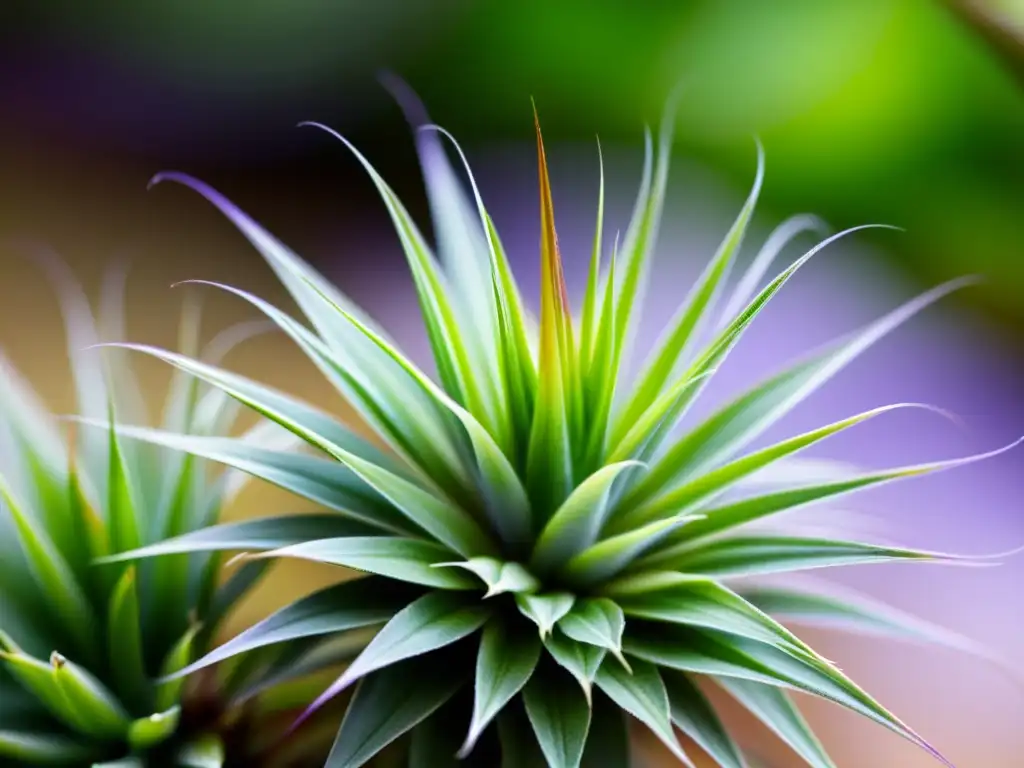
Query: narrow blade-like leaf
[506, 660]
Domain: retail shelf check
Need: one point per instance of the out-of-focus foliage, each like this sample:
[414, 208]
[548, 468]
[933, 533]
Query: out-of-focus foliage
[902, 111]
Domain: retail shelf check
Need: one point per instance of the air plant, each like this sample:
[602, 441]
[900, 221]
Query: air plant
[548, 555]
[86, 650]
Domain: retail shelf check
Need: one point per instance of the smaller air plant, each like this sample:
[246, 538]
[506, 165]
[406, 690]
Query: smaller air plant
[87, 651]
[546, 553]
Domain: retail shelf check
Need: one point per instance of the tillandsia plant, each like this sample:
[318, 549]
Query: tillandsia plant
[546, 552]
[86, 650]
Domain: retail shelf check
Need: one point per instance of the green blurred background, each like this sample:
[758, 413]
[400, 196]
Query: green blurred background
[908, 112]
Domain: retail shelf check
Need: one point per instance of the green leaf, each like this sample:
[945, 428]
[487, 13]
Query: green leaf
[712, 653]
[124, 762]
[433, 744]
[581, 660]
[638, 244]
[716, 481]
[357, 603]
[611, 556]
[229, 594]
[43, 749]
[80, 330]
[727, 516]
[775, 709]
[260, 534]
[433, 621]
[147, 732]
[608, 739]
[641, 693]
[124, 638]
[387, 704]
[665, 412]
[738, 423]
[560, 717]
[546, 609]
[701, 602]
[596, 621]
[499, 576]
[519, 747]
[692, 315]
[506, 660]
[639, 440]
[302, 660]
[40, 680]
[204, 752]
[600, 381]
[506, 501]
[588, 318]
[53, 575]
[451, 344]
[97, 709]
[444, 520]
[410, 560]
[309, 290]
[833, 607]
[312, 425]
[692, 713]
[578, 522]
[779, 238]
[460, 235]
[169, 687]
[122, 508]
[768, 553]
[324, 481]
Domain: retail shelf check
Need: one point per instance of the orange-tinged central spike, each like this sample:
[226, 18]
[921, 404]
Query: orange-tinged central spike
[556, 323]
[554, 296]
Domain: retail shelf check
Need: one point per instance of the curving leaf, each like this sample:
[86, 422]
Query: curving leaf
[714, 482]
[833, 607]
[260, 534]
[357, 603]
[500, 577]
[506, 660]
[125, 651]
[741, 421]
[596, 621]
[545, 610]
[768, 553]
[775, 709]
[581, 660]
[611, 556]
[641, 692]
[692, 713]
[324, 481]
[560, 717]
[578, 522]
[691, 316]
[410, 560]
[44, 749]
[747, 510]
[53, 575]
[387, 704]
[433, 621]
[712, 653]
[608, 741]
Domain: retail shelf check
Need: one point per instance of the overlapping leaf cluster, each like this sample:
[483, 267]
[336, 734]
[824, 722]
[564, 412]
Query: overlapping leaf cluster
[543, 552]
[88, 654]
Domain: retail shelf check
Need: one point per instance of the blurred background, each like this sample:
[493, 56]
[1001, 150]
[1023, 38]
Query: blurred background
[908, 112]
